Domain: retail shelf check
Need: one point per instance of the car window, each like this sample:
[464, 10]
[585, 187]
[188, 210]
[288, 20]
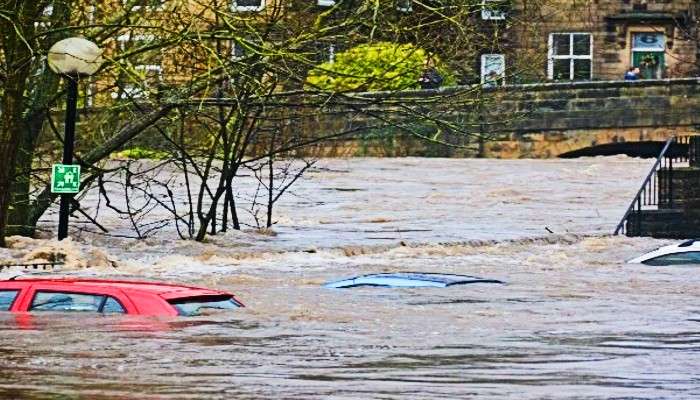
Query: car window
[691, 257]
[112, 306]
[198, 305]
[7, 297]
[61, 301]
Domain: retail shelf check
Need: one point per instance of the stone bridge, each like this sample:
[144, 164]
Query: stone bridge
[562, 120]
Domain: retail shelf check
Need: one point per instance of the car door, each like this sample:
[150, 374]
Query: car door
[72, 298]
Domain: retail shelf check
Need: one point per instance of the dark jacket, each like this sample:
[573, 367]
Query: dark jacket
[430, 79]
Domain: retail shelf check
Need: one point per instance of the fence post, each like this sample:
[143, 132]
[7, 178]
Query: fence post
[670, 182]
[639, 216]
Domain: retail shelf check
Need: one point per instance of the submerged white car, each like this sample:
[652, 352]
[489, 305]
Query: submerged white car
[678, 254]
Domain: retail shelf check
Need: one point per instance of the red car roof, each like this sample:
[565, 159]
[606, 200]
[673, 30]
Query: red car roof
[165, 290]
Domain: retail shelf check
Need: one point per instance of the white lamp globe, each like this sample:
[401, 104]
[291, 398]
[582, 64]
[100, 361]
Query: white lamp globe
[75, 56]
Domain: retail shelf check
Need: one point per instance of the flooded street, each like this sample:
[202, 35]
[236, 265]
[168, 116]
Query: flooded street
[573, 321]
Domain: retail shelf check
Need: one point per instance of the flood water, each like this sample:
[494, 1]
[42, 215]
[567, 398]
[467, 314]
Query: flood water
[573, 321]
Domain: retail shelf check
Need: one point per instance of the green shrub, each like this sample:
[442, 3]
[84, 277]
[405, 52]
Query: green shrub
[138, 153]
[374, 67]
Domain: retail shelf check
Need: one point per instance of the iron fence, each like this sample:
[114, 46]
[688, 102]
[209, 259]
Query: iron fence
[657, 189]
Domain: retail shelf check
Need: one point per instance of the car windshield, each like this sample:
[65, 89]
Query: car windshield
[690, 257]
[193, 306]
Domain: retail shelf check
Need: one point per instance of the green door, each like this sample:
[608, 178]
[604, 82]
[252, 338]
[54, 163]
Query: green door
[650, 63]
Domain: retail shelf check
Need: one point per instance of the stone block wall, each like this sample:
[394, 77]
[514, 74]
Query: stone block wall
[684, 185]
[678, 216]
[534, 121]
[666, 224]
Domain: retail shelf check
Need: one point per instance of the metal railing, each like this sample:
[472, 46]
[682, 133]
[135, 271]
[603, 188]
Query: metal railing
[657, 189]
[694, 151]
[34, 266]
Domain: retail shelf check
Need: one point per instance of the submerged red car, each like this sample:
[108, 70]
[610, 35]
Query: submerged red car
[111, 297]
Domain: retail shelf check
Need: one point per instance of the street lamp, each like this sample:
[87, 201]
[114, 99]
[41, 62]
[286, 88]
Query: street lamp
[72, 58]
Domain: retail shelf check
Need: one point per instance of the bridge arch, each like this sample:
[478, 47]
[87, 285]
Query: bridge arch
[637, 142]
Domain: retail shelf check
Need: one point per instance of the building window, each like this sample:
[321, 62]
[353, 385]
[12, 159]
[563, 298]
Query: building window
[325, 3]
[570, 56]
[493, 69]
[648, 49]
[237, 51]
[404, 5]
[248, 5]
[87, 92]
[141, 82]
[331, 54]
[146, 72]
[324, 52]
[151, 5]
[493, 9]
[45, 18]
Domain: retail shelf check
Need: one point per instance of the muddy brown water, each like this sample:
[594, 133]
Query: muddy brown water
[573, 321]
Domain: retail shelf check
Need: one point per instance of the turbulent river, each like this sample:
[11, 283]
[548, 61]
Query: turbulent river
[574, 321]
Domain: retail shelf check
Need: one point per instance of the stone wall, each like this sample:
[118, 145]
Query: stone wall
[666, 224]
[685, 188]
[539, 120]
[678, 215]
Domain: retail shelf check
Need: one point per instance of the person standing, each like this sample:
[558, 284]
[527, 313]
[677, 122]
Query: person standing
[430, 78]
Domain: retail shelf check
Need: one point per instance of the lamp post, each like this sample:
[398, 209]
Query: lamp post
[72, 58]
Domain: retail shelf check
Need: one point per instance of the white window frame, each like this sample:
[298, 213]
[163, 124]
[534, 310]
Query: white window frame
[406, 7]
[159, 7]
[133, 90]
[331, 54]
[491, 14]
[502, 75]
[89, 93]
[238, 8]
[325, 3]
[45, 13]
[134, 37]
[235, 46]
[571, 57]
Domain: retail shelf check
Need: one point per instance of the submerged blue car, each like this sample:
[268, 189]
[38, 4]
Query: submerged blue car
[409, 279]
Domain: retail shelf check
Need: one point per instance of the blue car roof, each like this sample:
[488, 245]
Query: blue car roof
[409, 279]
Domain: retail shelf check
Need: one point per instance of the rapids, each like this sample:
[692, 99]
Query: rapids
[573, 321]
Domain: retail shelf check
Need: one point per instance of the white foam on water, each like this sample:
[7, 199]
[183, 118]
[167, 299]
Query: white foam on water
[573, 321]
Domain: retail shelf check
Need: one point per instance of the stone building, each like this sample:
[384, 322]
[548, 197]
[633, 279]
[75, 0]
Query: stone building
[521, 41]
[560, 40]
[601, 39]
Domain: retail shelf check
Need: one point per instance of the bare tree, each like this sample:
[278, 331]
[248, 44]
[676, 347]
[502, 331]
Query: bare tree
[222, 90]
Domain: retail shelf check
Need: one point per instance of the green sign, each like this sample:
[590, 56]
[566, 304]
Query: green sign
[65, 178]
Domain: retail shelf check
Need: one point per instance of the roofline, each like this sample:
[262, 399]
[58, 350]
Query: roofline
[683, 247]
[98, 281]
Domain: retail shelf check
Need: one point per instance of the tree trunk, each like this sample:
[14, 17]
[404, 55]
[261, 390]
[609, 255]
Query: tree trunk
[18, 217]
[6, 178]
[11, 126]
[17, 63]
